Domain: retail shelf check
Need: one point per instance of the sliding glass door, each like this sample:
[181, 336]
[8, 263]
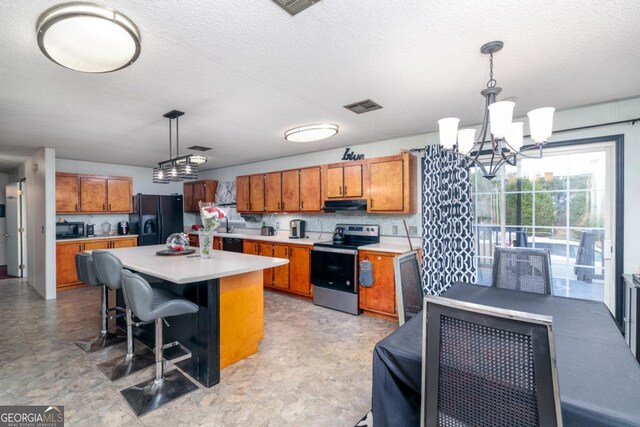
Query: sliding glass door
[563, 202]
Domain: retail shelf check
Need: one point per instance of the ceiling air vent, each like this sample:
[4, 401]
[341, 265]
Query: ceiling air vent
[198, 148]
[293, 7]
[363, 106]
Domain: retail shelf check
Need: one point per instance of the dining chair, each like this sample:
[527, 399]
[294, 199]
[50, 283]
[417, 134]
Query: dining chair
[522, 269]
[485, 366]
[409, 292]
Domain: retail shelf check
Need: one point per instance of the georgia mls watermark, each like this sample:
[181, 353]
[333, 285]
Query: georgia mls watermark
[31, 416]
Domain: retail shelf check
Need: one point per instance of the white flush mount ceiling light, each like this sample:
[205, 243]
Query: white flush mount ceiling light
[505, 137]
[311, 133]
[88, 38]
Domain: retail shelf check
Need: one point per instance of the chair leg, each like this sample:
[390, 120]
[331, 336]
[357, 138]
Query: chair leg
[152, 394]
[133, 361]
[105, 338]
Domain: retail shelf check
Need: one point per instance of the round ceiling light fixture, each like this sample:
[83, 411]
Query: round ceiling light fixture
[88, 38]
[193, 159]
[311, 133]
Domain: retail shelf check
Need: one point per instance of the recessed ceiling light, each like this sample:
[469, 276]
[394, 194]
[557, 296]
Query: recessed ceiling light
[87, 37]
[310, 133]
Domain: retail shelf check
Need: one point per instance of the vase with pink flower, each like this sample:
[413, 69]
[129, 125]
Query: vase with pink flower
[210, 216]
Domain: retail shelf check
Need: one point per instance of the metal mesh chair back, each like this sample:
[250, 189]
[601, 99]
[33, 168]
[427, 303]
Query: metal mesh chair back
[487, 367]
[409, 292]
[522, 269]
[85, 269]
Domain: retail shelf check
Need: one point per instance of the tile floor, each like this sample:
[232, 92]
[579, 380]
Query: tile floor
[313, 367]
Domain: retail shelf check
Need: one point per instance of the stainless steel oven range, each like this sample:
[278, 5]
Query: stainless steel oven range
[334, 266]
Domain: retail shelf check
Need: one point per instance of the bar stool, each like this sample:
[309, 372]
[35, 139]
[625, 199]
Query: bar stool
[108, 270]
[149, 304]
[85, 270]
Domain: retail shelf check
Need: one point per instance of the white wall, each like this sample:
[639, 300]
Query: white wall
[39, 172]
[142, 183]
[570, 118]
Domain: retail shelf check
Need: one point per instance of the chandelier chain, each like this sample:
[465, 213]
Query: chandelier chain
[492, 82]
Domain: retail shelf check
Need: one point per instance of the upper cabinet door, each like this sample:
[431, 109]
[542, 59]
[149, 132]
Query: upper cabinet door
[93, 194]
[67, 193]
[256, 193]
[242, 194]
[198, 195]
[290, 191]
[310, 190]
[119, 195]
[273, 192]
[187, 194]
[335, 183]
[386, 186]
[352, 181]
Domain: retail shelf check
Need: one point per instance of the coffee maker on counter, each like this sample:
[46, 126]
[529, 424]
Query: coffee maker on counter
[296, 229]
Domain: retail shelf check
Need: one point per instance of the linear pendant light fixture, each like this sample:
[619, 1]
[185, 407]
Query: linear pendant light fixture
[88, 38]
[180, 167]
[506, 139]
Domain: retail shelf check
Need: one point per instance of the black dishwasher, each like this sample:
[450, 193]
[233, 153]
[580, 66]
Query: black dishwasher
[232, 244]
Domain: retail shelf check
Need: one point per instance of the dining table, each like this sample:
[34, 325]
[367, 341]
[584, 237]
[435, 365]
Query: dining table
[599, 379]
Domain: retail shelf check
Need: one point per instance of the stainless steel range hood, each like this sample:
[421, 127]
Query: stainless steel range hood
[345, 205]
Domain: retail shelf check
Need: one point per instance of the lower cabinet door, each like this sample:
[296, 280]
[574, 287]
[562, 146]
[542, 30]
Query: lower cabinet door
[281, 274]
[300, 269]
[266, 249]
[66, 264]
[217, 243]
[381, 297]
[249, 247]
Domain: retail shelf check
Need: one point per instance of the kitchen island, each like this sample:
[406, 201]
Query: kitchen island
[227, 288]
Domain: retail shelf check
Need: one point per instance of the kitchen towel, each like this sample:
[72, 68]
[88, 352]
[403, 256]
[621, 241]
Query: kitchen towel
[366, 273]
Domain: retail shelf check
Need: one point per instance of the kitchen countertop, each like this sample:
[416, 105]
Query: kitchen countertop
[395, 245]
[181, 269]
[116, 236]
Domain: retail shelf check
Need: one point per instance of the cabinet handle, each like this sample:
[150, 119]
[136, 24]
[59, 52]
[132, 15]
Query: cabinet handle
[345, 190]
[103, 207]
[109, 206]
[257, 249]
[282, 205]
[339, 190]
[249, 206]
[76, 206]
[371, 203]
[302, 204]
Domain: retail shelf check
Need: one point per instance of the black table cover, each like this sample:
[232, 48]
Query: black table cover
[599, 378]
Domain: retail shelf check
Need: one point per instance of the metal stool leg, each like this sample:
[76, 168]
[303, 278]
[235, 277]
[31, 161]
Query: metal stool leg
[131, 362]
[153, 393]
[106, 338]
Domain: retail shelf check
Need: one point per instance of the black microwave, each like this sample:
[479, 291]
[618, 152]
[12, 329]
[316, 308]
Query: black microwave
[69, 230]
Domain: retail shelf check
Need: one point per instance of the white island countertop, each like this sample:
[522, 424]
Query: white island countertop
[180, 269]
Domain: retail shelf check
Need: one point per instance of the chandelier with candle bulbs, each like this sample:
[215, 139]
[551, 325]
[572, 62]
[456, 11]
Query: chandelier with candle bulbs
[505, 137]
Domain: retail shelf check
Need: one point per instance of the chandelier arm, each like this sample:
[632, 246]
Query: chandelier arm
[537, 147]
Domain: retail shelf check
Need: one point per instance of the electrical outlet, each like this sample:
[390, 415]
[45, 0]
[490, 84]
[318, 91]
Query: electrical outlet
[413, 230]
[395, 230]
[277, 226]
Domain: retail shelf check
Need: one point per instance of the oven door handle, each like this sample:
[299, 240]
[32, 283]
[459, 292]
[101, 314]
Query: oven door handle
[335, 250]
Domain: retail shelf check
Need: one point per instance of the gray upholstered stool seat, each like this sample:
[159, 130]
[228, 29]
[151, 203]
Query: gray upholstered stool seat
[147, 304]
[108, 270]
[85, 270]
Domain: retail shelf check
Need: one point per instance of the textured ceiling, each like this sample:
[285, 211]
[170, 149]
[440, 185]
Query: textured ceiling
[244, 72]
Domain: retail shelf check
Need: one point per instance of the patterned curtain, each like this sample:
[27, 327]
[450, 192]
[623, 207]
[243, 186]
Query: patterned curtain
[448, 248]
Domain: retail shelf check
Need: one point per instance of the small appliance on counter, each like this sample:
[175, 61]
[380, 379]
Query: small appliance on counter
[123, 228]
[267, 231]
[91, 230]
[105, 228]
[296, 229]
[69, 230]
[338, 235]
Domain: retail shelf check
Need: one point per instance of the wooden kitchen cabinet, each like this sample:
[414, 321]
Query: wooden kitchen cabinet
[66, 277]
[300, 269]
[199, 191]
[381, 297]
[281, 273]
[67, 193]
[96, 194]
[242, 194]
[266, 249]
[273, 192]
[93, 194]
[311, 189]
[291, 190]
[250, 247]
[256, 193]
[392, 184]
[217, 243]
[344, 180]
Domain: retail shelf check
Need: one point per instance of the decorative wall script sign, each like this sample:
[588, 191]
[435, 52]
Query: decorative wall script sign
[350, 155]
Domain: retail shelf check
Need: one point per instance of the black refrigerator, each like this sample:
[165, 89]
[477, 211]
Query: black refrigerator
[155, 218]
